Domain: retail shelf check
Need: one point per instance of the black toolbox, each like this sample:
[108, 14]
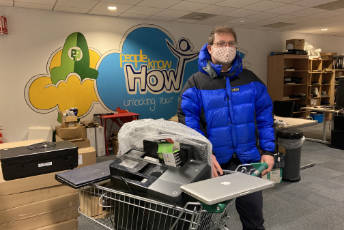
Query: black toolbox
[38, 159]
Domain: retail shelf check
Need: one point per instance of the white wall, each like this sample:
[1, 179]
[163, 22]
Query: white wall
[34, 35]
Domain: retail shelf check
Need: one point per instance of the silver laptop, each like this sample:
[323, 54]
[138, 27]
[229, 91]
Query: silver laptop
[227, 187]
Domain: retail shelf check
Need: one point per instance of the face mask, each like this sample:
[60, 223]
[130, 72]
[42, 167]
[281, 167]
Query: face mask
[224, 55]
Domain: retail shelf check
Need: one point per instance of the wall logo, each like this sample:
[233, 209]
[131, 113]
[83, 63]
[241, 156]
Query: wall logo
[75, 53]
[70, 80]
[145, 76]
[148, 73]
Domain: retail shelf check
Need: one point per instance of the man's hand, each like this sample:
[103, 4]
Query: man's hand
[270, 161]
[216, 168]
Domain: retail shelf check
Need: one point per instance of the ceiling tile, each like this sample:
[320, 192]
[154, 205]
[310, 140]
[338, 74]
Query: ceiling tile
[33, 5]
[77, 4]
[285, 1]
[311, 3]
[264, 6]
[101, 9]
[120, 2]
[173, 13]
[261, 15]
[36, 1]
[133, 15]
[192, 6]
[210, 2]
[287, 9]
[161, 18]
[241, 13]
[6, 2]
[158, 3]
[267, 21]
[237, 3]
[217, 20]
[141, 10]
[71, 9]
[219, 10]
[290, 18]
[308, 11]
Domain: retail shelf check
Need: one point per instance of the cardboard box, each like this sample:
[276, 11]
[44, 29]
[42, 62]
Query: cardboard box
[66, 225]
[42, 220]
[69, 119]
[23, 198]
[89, 204]
[20, 143]
[67, 202]
[295, 44]
[80, 143]
[69, 133]
[87, 156]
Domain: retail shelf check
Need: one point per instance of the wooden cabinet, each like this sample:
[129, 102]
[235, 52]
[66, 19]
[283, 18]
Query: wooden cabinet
[302, 80]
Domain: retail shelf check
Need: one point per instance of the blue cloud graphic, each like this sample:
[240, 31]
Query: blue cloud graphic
[145, 54]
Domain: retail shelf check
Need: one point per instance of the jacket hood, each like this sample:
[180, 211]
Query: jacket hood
[213, 70]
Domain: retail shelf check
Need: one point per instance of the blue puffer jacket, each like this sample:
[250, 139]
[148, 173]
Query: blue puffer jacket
[228, 108]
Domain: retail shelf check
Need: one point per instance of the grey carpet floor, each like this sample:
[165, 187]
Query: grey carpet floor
[314, 203]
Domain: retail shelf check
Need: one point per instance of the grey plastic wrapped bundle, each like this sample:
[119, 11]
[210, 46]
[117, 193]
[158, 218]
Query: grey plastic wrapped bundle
[132, 134]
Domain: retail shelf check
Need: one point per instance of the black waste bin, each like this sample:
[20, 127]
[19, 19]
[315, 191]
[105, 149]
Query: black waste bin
[290, 142]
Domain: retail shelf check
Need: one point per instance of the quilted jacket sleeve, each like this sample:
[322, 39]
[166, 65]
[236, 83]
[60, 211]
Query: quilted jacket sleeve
[264, 118]
[190, 106]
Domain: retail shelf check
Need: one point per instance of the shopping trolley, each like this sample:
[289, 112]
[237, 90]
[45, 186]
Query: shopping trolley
[114, 209]
[118, 210]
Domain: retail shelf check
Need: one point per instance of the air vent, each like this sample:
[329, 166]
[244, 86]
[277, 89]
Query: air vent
[197, 16]
[278, 25]
[335, 5]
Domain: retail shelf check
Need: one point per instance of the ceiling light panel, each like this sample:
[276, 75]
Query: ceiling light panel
[101, 9]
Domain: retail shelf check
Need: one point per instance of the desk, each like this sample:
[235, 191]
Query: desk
[292, 122]
[119, 118]
[325, 111]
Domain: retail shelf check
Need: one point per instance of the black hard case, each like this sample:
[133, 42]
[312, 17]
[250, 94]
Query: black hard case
[38, 159]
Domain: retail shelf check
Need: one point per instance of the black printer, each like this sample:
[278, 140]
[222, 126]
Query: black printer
[38, 159]
[134, 173]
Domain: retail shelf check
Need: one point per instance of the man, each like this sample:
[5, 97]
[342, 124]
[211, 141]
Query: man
[229, 104]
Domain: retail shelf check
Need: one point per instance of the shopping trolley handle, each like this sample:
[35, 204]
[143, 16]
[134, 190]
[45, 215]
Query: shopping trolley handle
[254, 169]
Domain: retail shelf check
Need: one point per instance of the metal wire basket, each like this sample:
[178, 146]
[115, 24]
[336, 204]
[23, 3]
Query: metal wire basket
[118, 210]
